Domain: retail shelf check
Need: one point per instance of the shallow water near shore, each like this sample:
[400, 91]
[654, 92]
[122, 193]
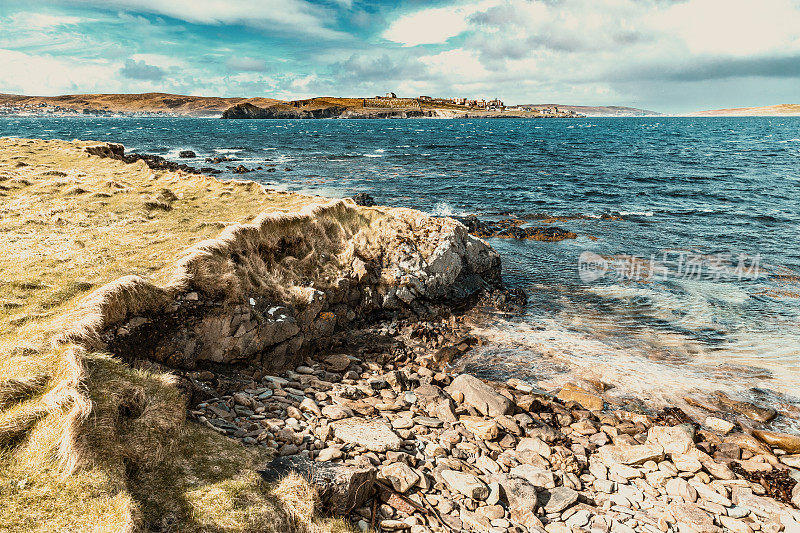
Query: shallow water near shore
[684, 278]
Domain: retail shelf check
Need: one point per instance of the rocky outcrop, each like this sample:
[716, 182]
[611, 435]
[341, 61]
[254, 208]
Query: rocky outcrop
[250, 111]
[268, 292]
[155, 162]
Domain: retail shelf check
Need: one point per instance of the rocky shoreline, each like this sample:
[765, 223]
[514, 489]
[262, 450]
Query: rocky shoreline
[395, 442]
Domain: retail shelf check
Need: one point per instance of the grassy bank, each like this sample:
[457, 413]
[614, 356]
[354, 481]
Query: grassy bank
[88, 443]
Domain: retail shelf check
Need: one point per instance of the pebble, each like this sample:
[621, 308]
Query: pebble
[486, 466]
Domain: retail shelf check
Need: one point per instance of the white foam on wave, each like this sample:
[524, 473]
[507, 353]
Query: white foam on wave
[443, 209]
[663, 368]
[228, 150]
[637, 213]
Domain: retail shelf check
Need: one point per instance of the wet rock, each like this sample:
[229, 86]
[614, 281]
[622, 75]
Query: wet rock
[749, 443]
[718, 424]
[341, 487]
[375, 435]
[364, 199]
[479, 395]
[750, 410]
[573, 393]
[784, 441]
[467, 484]
[186, 154]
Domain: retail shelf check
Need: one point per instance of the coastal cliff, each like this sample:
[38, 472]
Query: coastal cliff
[357, 108]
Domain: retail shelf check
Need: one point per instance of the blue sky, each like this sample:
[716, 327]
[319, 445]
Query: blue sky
[667, 55]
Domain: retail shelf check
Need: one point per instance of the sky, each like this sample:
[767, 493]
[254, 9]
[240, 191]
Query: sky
[665, 55]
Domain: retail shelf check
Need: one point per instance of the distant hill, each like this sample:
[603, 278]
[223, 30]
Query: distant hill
[597, 111]
[147, 102]
[780, 110]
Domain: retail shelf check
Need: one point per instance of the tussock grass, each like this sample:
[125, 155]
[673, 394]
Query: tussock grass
[88, 443]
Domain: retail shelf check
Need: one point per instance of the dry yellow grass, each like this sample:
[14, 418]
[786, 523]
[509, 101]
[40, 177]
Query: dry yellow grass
[779, 110]
[146, 102]
[88, 443]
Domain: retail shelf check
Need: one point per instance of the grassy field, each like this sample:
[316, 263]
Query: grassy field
[88, 443]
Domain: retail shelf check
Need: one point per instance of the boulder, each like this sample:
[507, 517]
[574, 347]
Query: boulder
[467, 484]
[673, 439]
[635, 454]
[519, 494]
[375, 435]
[483, 429]
[341, 487]
[481, 396]
[587, 400]
[185, 154]
[784, 441]
[364, 199]
[557, 499]
[538, 477]
[399, 475]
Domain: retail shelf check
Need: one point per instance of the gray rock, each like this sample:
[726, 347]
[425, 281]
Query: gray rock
[673, 439]
[466, 484]
[519, 494]
[635, 454]
[480, 396]
[341, 487]
[375, 435]
[557, 499]
[538, 477]
[399, 475]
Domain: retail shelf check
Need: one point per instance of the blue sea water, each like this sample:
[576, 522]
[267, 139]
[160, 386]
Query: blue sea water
[695, 223]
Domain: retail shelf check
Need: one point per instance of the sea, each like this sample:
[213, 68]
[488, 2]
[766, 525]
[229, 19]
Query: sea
[684, 278]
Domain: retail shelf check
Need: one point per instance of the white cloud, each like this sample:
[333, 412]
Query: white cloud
[431, 26]
[160, 60]
[44, 75]
[458, 64]
[732, 27]
[42, 21]
[276, 15]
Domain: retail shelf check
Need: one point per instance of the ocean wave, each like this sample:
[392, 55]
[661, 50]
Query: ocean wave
[443, 209]
[636, 213]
